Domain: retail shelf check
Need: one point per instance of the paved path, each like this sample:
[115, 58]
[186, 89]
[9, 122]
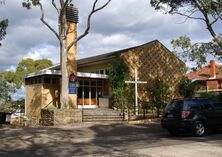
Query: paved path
[105, 140]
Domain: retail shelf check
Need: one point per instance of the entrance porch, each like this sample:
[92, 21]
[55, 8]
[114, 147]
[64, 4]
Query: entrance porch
[93, 93]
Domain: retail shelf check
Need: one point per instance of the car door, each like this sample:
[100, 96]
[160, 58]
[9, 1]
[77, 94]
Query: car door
[218, 112]
[209, 112]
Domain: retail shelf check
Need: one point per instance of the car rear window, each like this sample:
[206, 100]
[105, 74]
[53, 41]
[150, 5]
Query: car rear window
[192, 105]
[174, 105]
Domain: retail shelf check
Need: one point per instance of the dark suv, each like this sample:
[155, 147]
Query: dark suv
[196, 115]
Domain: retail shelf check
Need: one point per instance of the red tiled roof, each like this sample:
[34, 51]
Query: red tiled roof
[204, 73]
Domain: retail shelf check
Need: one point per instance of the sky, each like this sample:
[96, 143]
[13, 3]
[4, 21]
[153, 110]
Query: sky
[122, 24]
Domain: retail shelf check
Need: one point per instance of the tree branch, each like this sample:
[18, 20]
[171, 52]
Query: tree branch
[61, 3]
[44, 22]
[93, 11]
[208, 23]
[63, 7]
[53, 3]
[189, 16]
[218, 14]
[215, 20]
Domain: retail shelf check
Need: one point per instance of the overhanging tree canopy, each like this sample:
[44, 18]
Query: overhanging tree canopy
[207, 11]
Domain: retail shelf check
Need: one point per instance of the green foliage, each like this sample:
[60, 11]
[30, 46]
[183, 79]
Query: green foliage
[197, 52]
[159, 94]
[207, 11]
[209, 95]
[5, 90]
[3, 26]
[187, 88]
[25, 67]
[28, 3]
[20, 103]
[213, 7]
[118, 73]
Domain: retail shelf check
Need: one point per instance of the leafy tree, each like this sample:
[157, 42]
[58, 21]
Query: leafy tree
[5, 90]
[159, 94]
[25, 67]
[197, 52]
[17, 104]
[187, 88]
[63, 27]
[11, 81]
[207, 11]
[118, 73]
[3, 26]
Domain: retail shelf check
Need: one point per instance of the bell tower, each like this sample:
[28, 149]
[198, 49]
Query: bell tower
[72, 20]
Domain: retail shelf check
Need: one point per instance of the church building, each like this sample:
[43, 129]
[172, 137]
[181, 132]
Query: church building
[152, 60]
[90, 86]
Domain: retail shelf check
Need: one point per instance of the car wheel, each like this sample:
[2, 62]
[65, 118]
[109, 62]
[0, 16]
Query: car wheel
[174, 132]
[199, 128]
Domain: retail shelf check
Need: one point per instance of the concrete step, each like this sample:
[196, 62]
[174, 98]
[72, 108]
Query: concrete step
[102, 120]
[101, 115]
[101, 112]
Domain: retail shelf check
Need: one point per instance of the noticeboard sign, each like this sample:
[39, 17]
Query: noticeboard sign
[72, 88]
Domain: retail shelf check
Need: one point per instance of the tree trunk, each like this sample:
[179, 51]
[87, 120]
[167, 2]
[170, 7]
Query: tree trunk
[64, 73]
[63, 61]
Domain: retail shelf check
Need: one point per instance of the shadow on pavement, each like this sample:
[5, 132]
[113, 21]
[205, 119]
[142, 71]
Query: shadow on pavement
[97, 140]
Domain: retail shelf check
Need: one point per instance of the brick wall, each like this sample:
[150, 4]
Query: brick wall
[212, 84]
[51, 117]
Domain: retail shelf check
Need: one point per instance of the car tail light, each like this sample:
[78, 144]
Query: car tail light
[185, 114]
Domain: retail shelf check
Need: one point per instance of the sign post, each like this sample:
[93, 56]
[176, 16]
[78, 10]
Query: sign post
[136, 82]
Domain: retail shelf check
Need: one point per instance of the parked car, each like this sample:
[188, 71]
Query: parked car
[5, 118]
[18, 114]
[195, 115]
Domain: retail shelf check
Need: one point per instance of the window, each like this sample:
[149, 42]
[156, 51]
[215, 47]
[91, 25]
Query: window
[55, 80]
[107, 72]
[218, 105]
[86, 92]
[40, 80]
[175, 105]
[194, 107]
[86, 82]
[100, 92]
[31, 81]
[207, 107]
[93, 83]
[101, 71]
[47, 80]
[80, 92]
[35, 80]
[80, 82]
[99, 83]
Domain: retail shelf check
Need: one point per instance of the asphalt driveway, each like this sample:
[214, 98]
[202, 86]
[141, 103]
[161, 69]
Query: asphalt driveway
[105, 140]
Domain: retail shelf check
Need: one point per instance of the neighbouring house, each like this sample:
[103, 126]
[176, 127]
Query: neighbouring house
[152, 60]
[208, 78]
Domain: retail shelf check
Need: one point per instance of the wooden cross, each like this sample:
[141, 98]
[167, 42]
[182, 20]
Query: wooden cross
[136, 82]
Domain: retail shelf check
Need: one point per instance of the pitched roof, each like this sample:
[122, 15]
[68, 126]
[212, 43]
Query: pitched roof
[103, 57]
[106, 56]
[204, 73]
